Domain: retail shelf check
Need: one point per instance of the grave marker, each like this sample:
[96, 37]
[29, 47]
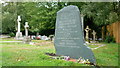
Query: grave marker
[26, 38]
[69, 39]
[87, 32]
[18, 33]
[94, 35]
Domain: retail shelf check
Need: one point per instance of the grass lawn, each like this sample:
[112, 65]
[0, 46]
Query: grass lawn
[19, 54]
[93, 46]
[107, 55]
[8, 39]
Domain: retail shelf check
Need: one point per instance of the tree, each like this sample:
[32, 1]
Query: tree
[41, 16]
[8, 17]
[103, 13]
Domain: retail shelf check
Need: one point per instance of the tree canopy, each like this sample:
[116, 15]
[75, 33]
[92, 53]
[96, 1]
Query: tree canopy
[41, 16]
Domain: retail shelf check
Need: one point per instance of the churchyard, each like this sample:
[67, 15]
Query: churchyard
[66, 39]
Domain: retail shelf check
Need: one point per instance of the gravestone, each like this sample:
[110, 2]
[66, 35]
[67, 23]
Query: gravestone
[44, 37]
[18, 33]
[94, 35]
[69, 39]
[33, 37]
[26, 29]
[87, 29]
[26, 38]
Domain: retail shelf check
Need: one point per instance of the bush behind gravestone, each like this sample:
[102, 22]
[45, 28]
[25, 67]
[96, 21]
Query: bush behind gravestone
[12, 34]
[109, 39]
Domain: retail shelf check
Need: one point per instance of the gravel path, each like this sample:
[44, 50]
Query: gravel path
[98, 46]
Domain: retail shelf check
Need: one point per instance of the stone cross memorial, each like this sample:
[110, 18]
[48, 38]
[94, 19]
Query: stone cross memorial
[69, 39]
[94, 35]
[26, 29]
[87, 32]
[18, 34]
[26, 38]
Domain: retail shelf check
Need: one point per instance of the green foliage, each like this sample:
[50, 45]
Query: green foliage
[8, 18]
[110, 39]
[113, 17]
[41, 16]
[12, 34]
[103, 13]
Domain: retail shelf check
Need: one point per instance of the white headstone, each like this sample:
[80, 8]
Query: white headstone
[44, 37]
[32, 37]
[82, 20]
[18, 33]
[94, 35]
[18, 20]
[26, 28]
[26, 38]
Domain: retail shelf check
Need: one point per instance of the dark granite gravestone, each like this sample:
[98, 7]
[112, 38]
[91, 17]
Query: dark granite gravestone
[69, 39]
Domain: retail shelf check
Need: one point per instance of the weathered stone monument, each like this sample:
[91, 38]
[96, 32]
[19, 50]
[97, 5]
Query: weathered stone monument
[87, 32]
[18, 34]
[26, 38]
[94, 35]
[26, 29]
[69, 39]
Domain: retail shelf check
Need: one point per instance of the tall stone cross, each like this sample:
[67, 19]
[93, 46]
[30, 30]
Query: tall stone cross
[94, 35]
[26, 29]
[26, 38]
[18, 20]
[87, 32]
[18, 33]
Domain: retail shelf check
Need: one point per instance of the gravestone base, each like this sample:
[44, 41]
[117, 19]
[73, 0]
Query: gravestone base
[93, 41]
[19, 36]
[26, 40]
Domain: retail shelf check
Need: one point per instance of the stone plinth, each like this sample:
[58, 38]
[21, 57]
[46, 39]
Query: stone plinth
[19, 36]
[26, 40]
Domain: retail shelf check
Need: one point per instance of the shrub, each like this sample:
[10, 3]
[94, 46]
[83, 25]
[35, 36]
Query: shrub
[12, 34]
[109, 39]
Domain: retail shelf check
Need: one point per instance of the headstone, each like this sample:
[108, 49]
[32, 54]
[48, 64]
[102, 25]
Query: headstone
[26, 29]
[87, 32]
[18, 33]
[69, 39]
[82, 20]
[100, 39]
[33, 37]
[94, 35]
[53, 39]
[26, 38]
[44, 37]
[90, 38]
